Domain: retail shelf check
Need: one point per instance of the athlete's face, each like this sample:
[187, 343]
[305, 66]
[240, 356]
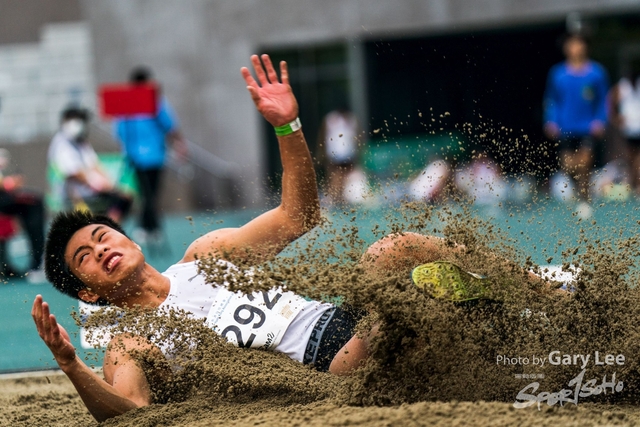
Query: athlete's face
[106, 261]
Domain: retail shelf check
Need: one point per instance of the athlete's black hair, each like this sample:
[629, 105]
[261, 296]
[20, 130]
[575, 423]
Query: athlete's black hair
[63, 227]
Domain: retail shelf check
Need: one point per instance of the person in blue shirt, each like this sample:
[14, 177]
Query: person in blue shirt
[143, 139]
[575, 109]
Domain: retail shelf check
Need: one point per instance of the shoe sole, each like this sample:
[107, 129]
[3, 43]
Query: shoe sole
[446, 280]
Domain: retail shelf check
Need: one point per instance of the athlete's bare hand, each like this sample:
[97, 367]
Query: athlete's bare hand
[53, 335]
[273, 99]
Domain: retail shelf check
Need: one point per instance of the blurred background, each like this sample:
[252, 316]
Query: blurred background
[425, 80]
[387, 60]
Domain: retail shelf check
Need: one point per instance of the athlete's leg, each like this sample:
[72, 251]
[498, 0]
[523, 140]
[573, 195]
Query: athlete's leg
[405, 251]
[402, 251]
[351, 356]
[391, 253]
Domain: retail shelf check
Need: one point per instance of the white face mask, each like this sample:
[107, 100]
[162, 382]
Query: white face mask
[73, 129]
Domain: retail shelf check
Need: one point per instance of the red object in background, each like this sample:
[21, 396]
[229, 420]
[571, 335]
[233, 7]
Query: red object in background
[128, 100]
[7, 227]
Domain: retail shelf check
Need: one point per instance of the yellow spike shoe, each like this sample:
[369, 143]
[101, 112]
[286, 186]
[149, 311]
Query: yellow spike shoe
[446, 280]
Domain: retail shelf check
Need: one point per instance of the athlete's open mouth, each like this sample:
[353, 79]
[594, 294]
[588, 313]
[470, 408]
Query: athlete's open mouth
[110, 261]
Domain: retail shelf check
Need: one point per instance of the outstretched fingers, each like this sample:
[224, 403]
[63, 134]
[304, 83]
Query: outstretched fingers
[271, 72]
[37, 302]
[284, 72]
[265, 72]
[54, 336]
[252, 85]
[248, 78]
[55, 329]
[46, 322]
[36, 313]
[273, 99]
[257, 66]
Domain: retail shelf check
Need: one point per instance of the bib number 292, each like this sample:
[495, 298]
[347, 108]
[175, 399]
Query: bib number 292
[246, 314]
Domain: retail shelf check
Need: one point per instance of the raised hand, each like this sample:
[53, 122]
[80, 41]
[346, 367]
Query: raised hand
[273, 99]
[53, 335]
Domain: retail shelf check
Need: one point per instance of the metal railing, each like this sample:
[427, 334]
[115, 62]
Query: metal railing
[197, 156]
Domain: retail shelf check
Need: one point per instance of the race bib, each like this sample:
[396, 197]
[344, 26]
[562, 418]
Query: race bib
[97, 336]
[257, 320]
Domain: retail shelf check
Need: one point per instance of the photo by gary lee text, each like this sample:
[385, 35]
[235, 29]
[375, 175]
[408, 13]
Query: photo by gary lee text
[557, 358]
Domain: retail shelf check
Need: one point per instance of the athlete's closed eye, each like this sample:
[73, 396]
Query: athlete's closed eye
[101, 236]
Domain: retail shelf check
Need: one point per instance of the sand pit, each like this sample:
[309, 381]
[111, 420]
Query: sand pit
[42, 399]
[435, 362]
[38, 401]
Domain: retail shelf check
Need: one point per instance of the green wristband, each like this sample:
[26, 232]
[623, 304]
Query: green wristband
[289, 128]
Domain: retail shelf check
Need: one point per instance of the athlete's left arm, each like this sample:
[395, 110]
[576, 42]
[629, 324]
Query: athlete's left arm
[299, 209]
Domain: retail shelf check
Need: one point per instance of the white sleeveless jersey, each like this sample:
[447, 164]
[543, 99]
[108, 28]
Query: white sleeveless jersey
[340, 139]
[275, 320]
[630, 106]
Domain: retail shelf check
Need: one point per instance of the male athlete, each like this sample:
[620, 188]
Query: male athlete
[90, 257]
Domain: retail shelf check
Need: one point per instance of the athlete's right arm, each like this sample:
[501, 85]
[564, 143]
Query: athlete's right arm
[130, 389]
[299, 211]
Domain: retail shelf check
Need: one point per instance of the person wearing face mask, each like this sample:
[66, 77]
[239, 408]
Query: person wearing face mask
[85, 184]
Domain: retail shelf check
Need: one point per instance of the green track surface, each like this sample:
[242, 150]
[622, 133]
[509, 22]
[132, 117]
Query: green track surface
[536, 231]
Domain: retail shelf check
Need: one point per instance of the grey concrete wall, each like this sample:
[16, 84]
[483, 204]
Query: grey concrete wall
[197, 47]
[199, 72]
[21, 20]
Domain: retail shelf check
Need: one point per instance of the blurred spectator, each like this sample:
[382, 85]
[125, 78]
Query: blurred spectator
[625, 116]
[18, 202]
[338, 149]
[611, 181]
[85, 184]
[575, 111]
[431, 181]
[143, 139]
[483, 181]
